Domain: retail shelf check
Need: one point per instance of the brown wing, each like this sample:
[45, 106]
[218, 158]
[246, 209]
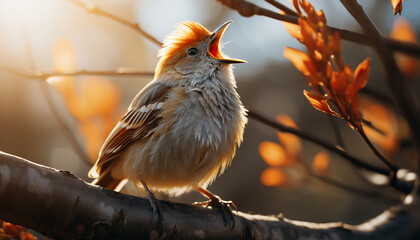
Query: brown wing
[136, 124]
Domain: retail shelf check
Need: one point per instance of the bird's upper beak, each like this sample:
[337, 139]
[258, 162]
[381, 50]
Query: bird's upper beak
[214, 46]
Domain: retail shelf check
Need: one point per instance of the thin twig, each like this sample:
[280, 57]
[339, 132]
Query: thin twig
[370, 125]
[64, 126]
[94, 73]
[397, 82]
[248, 9]
[377, 153]
[282, 7]
[91, 8]
[44, 76]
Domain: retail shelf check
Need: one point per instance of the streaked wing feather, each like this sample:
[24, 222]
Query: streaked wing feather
[135, 125]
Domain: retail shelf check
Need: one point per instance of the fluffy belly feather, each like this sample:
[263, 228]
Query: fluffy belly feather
[191, 157]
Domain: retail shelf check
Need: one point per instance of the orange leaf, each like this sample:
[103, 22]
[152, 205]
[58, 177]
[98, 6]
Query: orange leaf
[308, 35]
[273, 177]
[310, 12]
[296, 6]
[361, 74]
[321, 16]
[397, 5]
[291, 143]
[328, 70]
[360, 78]
[319, 103]
[273, 154]
[403, 31]
[321, 162]
[339, 83]
[320, 45]
[302, 62]
[293, 30]
[334, 43]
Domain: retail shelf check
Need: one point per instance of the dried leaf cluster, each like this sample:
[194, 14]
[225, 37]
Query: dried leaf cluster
[331, 80]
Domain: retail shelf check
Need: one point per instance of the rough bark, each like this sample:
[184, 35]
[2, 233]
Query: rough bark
[60, 205]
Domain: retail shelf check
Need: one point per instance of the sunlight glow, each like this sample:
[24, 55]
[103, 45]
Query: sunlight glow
[54, 80]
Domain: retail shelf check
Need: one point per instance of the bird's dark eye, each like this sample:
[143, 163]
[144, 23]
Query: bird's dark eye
[192, 51]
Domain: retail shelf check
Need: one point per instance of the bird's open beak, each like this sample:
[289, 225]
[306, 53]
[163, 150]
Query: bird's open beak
[214, 46]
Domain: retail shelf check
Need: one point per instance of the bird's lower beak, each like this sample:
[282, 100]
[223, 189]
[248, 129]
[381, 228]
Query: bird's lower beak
[214, 46]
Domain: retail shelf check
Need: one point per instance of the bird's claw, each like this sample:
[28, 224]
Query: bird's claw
[224, 206]
[155, 204]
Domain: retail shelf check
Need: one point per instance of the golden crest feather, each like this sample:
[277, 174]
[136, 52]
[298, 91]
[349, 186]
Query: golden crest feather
[186, 35]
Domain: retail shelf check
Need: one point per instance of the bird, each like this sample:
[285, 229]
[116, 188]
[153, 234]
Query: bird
[182, 129]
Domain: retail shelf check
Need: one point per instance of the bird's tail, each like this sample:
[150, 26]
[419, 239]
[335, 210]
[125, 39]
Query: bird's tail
[106, 180]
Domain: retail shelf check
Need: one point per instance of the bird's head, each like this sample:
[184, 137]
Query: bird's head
[192, 45]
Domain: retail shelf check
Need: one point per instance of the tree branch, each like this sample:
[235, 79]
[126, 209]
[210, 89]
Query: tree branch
[60, 205]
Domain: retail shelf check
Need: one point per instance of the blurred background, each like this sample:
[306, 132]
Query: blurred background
[48, 36]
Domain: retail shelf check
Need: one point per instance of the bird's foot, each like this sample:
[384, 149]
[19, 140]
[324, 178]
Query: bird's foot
[224, 206]
[155, 204]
